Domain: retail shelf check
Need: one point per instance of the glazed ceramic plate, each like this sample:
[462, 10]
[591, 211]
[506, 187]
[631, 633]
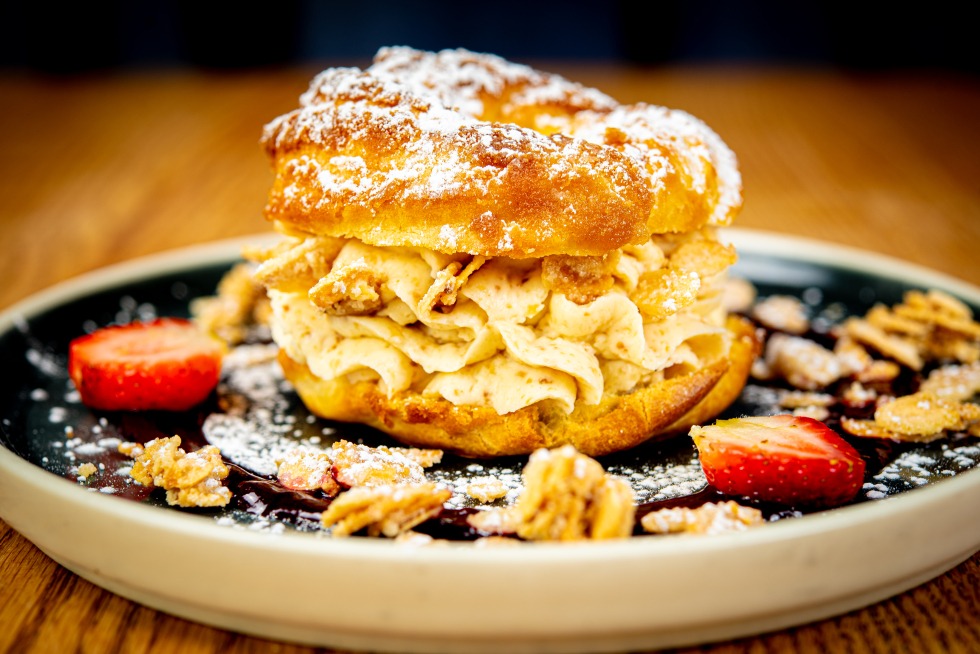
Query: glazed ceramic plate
[913, 521]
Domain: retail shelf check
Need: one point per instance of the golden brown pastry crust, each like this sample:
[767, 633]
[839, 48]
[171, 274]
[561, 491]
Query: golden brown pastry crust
[466, 153]
[616, 423]
[488, 87]
[370, 161]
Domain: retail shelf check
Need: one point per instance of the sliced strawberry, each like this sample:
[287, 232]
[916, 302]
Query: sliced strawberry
[167, 364]
[789, 460]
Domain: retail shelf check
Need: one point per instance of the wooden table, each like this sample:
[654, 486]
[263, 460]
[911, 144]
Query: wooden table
[96, 170]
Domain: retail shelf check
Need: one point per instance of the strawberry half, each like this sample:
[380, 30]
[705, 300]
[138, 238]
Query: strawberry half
[168, 364]
[785, 459]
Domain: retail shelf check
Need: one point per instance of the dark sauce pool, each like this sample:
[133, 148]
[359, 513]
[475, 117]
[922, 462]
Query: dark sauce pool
[254, 417]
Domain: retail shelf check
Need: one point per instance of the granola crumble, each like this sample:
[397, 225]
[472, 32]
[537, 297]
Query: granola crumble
[86, 470]
[384, 510]
[306, 470]
[240, 303]
[487, 489]
[783, 313]
[190, 478]
[710, 518]
[360, 465]
[924, 327]
[568, 496]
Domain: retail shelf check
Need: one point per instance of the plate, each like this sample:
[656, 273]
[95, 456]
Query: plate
[233, 571]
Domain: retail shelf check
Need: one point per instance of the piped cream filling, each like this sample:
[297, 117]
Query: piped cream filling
[504, 339]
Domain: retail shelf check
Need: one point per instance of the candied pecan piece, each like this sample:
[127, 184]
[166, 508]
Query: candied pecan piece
[568, 496]
[803, 363]
[783, 313]
[709, 518]
[384, 510]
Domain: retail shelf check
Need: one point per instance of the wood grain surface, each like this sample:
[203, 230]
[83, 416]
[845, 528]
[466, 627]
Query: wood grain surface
[97, 170]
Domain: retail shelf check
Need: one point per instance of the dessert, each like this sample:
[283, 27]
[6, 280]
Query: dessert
[488, 259]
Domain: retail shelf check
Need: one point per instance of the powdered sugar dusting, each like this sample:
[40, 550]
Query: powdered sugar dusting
[672, 477]
[258, 427]
[918, 468]
[417, 149]
[455, 126]
[646, 132]
[462, 79]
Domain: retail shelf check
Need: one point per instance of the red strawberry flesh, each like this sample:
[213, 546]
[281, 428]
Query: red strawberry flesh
[788, 460]
[166, 364]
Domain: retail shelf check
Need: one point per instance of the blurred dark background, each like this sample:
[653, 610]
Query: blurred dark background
[68, 38]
